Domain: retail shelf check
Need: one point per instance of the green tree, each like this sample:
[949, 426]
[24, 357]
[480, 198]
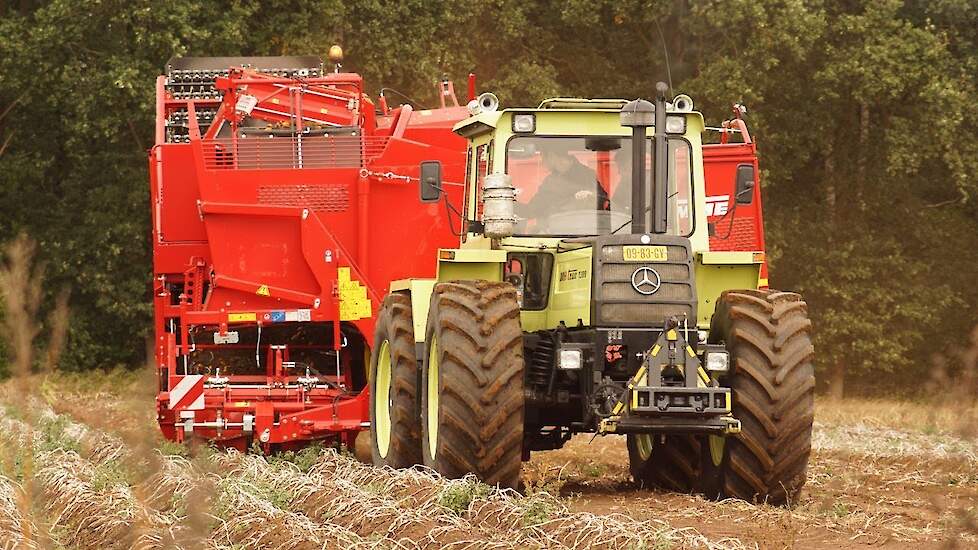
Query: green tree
[861, 114]
[861, 109]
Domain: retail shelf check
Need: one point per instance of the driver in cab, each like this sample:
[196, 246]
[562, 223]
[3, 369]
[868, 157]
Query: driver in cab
[570, 185]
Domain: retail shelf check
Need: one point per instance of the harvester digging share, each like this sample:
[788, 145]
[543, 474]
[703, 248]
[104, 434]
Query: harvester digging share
[472, 284]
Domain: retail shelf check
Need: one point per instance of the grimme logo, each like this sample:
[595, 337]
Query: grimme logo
[717, 205]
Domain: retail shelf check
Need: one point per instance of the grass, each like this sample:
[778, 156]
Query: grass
[303, 459]
[458, 496]
[536, 511]
[921, 416]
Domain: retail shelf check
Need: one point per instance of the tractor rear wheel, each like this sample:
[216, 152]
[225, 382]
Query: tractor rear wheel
[767, 334]
[472, 402]
[395, 426]
[669, 462]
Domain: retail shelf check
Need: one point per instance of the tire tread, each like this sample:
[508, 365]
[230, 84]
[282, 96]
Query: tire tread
[768, 334]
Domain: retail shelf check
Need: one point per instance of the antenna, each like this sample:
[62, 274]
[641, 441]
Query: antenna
[666, 52]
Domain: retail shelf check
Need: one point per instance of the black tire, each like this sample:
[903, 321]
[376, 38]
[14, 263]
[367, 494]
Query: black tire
[396, 327]
[474, 344]
[670, 463]
[768, 336]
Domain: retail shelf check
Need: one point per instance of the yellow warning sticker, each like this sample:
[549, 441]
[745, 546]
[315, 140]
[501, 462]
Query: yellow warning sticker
[354, 303]
[262, 291]
[241, 317]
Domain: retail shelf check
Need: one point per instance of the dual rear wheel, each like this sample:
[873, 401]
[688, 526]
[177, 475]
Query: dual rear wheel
[472, 406]
[471, 384]
[396, 440]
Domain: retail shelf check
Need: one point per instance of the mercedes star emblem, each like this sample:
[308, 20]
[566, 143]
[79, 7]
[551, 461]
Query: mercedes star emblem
[646, 281]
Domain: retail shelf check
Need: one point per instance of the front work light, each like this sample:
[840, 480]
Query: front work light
[675, 124]
[717, 361]
[571, 359]
[525, 123]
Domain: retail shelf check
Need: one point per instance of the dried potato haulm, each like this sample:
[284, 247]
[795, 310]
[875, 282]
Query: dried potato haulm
[502, 517]
[95, 510]
[15, 529]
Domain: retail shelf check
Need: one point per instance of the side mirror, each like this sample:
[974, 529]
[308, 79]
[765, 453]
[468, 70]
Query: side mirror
[430, 181]
[744, 187]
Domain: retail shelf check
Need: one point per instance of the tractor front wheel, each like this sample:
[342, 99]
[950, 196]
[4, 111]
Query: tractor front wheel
[472, 380]
[395, 426]
[767, 334]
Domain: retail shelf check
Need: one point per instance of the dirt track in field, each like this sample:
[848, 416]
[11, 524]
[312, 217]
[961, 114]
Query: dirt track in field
[890, 498]
[82, 467]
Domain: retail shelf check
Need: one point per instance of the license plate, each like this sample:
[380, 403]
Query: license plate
[644, 253]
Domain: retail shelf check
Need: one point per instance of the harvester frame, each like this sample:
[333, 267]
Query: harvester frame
[274, 183]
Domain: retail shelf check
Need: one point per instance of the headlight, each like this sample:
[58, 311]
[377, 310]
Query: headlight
[717, 361]
[525, 123]
[571, 359]
[675, 124]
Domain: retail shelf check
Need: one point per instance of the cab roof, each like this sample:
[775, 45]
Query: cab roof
[483, 122]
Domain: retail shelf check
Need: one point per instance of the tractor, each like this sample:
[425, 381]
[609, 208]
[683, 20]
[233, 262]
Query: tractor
[597, 288]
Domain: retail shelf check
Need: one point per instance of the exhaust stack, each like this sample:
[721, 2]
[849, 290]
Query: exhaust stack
[637, 115]
[660, 184]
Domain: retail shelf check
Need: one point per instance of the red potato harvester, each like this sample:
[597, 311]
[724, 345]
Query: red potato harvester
[284, 201]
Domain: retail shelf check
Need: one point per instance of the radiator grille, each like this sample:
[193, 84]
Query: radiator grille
[615, 300]
[648, 313]
[623, 272]
[625, 291]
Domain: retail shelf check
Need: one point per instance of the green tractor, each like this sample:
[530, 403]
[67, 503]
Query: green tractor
[584, 298]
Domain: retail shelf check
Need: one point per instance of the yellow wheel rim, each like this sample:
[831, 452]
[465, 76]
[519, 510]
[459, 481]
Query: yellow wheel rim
[717, 444]
[643, 442]
[383, 400]
[432, 390]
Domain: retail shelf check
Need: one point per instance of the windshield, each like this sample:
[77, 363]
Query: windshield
[582, 185]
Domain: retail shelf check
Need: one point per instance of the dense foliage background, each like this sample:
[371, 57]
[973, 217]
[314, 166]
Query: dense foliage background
[864, 111]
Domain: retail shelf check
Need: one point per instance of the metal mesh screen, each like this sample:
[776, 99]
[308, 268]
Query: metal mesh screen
[643, 313]
[623, 272]
[624, 291]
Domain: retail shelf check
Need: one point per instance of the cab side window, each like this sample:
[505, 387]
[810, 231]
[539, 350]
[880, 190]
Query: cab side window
[483, 163]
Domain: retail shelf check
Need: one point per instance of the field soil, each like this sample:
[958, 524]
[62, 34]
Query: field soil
[82, 466]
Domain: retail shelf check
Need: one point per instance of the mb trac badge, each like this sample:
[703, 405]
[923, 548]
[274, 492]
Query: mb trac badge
[645, 280]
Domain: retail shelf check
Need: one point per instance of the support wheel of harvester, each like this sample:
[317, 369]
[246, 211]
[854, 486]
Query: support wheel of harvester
[667, 462]
[472, 403]
[395, 426]
[767, 334]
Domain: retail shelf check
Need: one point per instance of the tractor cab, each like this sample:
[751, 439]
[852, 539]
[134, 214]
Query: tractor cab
[572, 183]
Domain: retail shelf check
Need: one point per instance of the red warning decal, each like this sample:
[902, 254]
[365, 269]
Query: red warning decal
[188, 394]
